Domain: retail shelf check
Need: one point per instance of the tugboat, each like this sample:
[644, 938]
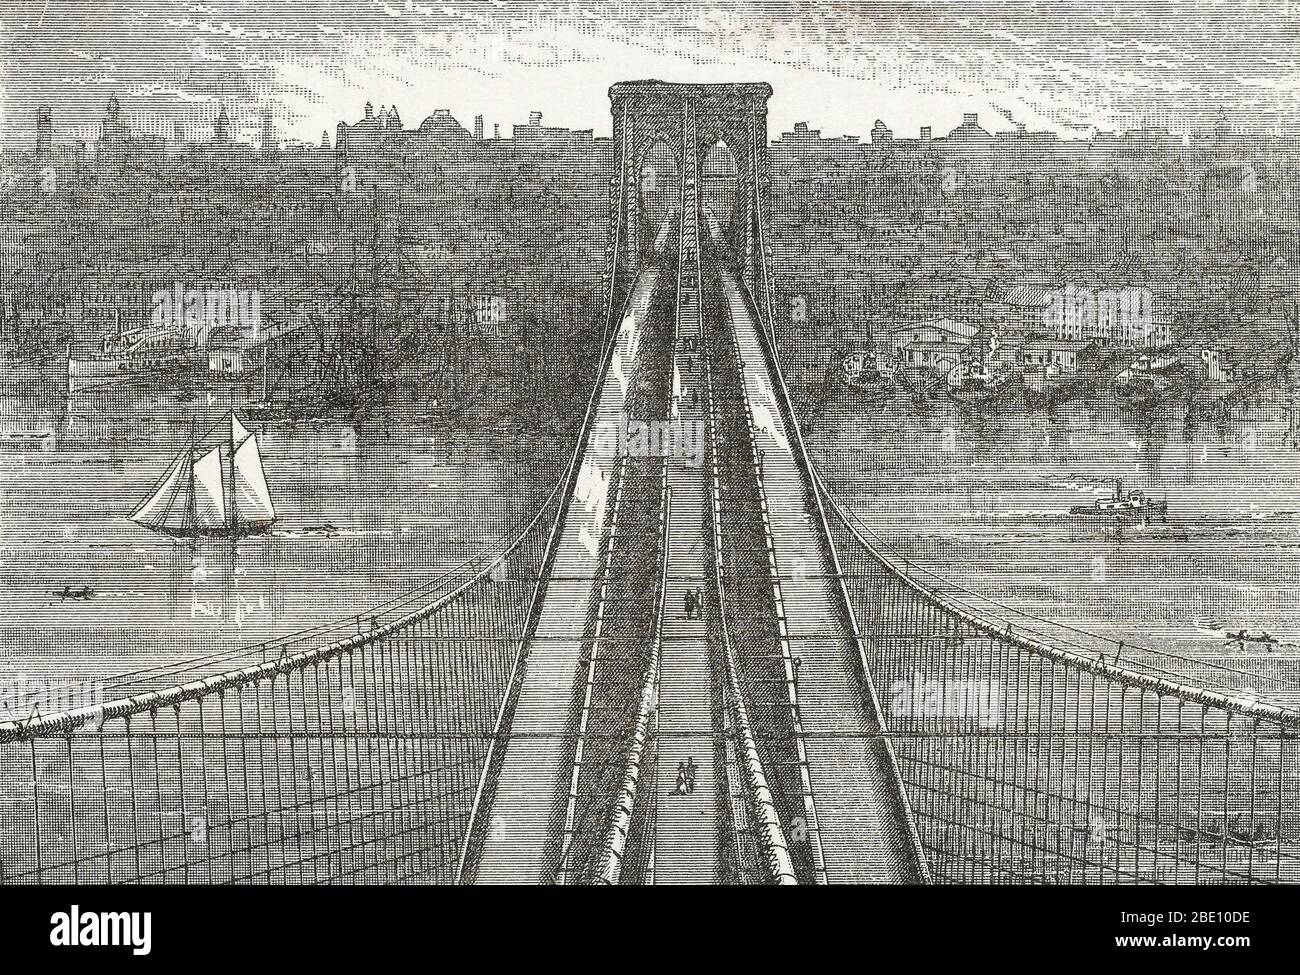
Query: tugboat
[215, 488]
[1136, 505]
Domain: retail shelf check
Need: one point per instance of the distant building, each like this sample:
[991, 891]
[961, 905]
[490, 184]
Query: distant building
[969, 134]
[268, 133]
[1112, 316]
[536, 136]
[384, 133]
[806, 141]
[1064, 354]
[478, 128]
[1216, 366]
[1124, 317]
[925, 339]
[116, 140]
[1033, 308]
[933, 354]
[112, 131]
[881, 133]
[44, 132]
[488, 310]
[221, 134]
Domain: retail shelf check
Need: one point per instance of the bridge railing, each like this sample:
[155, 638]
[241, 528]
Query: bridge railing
[1027, 762]
[353, 761]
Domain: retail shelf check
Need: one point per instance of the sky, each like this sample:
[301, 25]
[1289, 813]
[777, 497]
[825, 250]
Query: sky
[1067, 67]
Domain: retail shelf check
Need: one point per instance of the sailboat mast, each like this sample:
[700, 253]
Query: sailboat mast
[192, 511]
[233, 514]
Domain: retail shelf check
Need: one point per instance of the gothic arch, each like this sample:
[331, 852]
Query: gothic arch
[645, 112]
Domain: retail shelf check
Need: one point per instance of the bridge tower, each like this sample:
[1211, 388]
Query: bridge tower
[690, 119]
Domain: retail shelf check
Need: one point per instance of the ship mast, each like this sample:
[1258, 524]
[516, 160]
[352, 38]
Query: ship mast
[192, 512]
[230, 508]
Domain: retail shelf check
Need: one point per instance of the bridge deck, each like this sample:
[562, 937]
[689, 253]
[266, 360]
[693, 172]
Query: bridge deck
[519, 845]
[687, 827]
[860, 815]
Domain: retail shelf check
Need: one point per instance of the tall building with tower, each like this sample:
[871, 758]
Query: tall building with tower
[44, 132]
[269, 144]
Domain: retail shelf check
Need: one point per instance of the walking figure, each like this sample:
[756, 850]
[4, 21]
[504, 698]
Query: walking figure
[682, 787]
[689, 602]
[690, 769]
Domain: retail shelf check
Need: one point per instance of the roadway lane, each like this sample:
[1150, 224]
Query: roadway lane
[860, 811]
[520, 844]
[687, 847]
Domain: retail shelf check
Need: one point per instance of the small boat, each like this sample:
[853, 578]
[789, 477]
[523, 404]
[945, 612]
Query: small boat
[78, 593]
[1245, 635]
[215, 488]
[1136, 505]
[27, 440]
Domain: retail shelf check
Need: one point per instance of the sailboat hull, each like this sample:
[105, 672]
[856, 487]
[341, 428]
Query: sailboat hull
[238, 531]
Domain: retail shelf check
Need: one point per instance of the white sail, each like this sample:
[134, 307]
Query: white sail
[238, 432]
[252, 497]
[154, 510]
[209, 492]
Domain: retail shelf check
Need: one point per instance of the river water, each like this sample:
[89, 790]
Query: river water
[368, 510]
[979, 503]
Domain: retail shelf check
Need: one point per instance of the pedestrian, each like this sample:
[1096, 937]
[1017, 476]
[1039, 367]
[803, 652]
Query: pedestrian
[699, 602]
[690, 770]
[681, 779]
[688, 603]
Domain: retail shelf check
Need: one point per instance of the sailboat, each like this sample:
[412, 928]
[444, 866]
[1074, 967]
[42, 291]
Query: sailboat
[215, 487]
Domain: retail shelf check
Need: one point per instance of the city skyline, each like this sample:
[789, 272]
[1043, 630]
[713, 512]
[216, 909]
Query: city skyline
[1069, 70]
[252, 130]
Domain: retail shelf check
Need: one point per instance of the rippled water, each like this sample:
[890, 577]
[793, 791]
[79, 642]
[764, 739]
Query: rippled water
[368, 510]
[982, 501]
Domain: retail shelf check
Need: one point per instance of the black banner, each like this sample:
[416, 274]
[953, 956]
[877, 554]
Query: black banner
[930, 925]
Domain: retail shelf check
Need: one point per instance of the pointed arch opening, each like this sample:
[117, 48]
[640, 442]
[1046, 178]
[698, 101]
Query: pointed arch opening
[660, 185]
[718, 177]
